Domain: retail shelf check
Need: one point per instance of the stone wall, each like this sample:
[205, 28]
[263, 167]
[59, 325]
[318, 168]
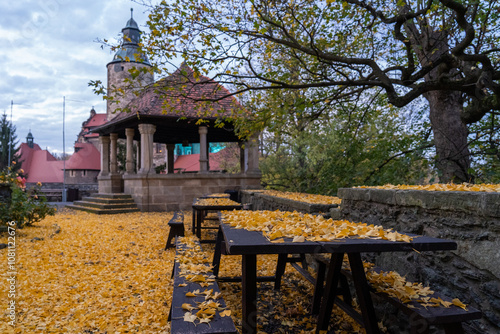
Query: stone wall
[261, 201]
[472, 219]
[169, 192]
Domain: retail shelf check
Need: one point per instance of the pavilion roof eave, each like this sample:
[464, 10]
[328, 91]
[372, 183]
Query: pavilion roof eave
[169, 129]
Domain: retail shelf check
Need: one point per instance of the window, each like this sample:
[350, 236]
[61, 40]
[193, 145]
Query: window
[72, 173]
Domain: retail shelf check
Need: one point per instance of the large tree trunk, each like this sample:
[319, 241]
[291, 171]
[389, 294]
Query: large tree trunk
[445, 107]
[450, 136]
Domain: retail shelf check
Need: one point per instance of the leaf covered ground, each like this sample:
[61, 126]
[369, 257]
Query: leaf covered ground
[84, 273]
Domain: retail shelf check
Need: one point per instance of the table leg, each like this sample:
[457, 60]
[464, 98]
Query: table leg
[318, 287]
[198, 224]
[193, 223]
[363, 293]
[249, 293]
[332, 281]
[217, 252]
[280, 270]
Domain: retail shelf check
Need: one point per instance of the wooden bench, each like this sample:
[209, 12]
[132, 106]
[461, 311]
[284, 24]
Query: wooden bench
[420, 317]
[176, 228]
[182, 285]
[50, 194]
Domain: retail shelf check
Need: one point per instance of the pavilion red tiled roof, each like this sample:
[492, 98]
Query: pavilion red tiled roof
[184, 94]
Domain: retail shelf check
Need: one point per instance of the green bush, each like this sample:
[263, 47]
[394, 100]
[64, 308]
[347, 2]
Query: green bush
[25, 207]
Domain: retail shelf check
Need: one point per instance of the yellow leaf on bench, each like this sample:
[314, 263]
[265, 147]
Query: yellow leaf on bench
[458, 303]
[225, 313]
[187, 307]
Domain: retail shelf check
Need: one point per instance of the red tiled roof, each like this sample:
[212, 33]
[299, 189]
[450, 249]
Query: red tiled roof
[45, 168]
[26, 154]
[86, 156]
[93, 122]
[96, 120]
[184, 94]
[191, 162]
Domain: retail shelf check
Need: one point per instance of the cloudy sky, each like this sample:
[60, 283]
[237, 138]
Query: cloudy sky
[49, 51]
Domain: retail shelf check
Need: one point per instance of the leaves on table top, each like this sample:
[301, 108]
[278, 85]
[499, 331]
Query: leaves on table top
[219, 195]
[215, 202]
[302, 227]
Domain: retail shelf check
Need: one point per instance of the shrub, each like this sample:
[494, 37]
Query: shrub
[25, 207]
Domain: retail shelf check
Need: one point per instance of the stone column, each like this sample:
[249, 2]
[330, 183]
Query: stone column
[170, 158]
[242, 158]
[253, 154]
[147, 131]
[202, 130]
[138, 157]
[113, 150]
[129, 163]
[104, 140]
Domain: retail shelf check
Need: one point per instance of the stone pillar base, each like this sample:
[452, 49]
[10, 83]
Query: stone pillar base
[110, 184]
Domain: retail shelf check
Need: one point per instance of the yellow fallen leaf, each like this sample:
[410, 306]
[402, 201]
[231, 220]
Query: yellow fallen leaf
[225, 313]
[187, 307]
[189, 317]
[299, 239]
[458, 303]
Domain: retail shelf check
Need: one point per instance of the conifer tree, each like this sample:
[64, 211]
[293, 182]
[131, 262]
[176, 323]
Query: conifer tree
[8, 139]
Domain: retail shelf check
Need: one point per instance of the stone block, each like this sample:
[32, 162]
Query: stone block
[459, 201]
[483, 254]
[417, 198]
[159, 199]
[355, 194]
[209, 182]
[336, 214]
[491, 204]
[385, 196]
[190, 182]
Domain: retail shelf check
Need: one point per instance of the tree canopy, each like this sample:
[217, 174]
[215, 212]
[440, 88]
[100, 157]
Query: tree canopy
[444, 50]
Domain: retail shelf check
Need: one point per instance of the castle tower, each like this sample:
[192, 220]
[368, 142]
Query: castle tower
[126, 57]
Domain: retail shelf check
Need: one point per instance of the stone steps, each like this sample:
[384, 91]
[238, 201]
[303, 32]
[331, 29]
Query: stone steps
[106, 204]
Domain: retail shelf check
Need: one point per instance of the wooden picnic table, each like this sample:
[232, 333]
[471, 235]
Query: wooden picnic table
[249, 244]
[200, 213]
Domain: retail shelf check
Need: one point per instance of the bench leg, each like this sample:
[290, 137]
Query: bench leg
[454, 328]
[175, 231]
